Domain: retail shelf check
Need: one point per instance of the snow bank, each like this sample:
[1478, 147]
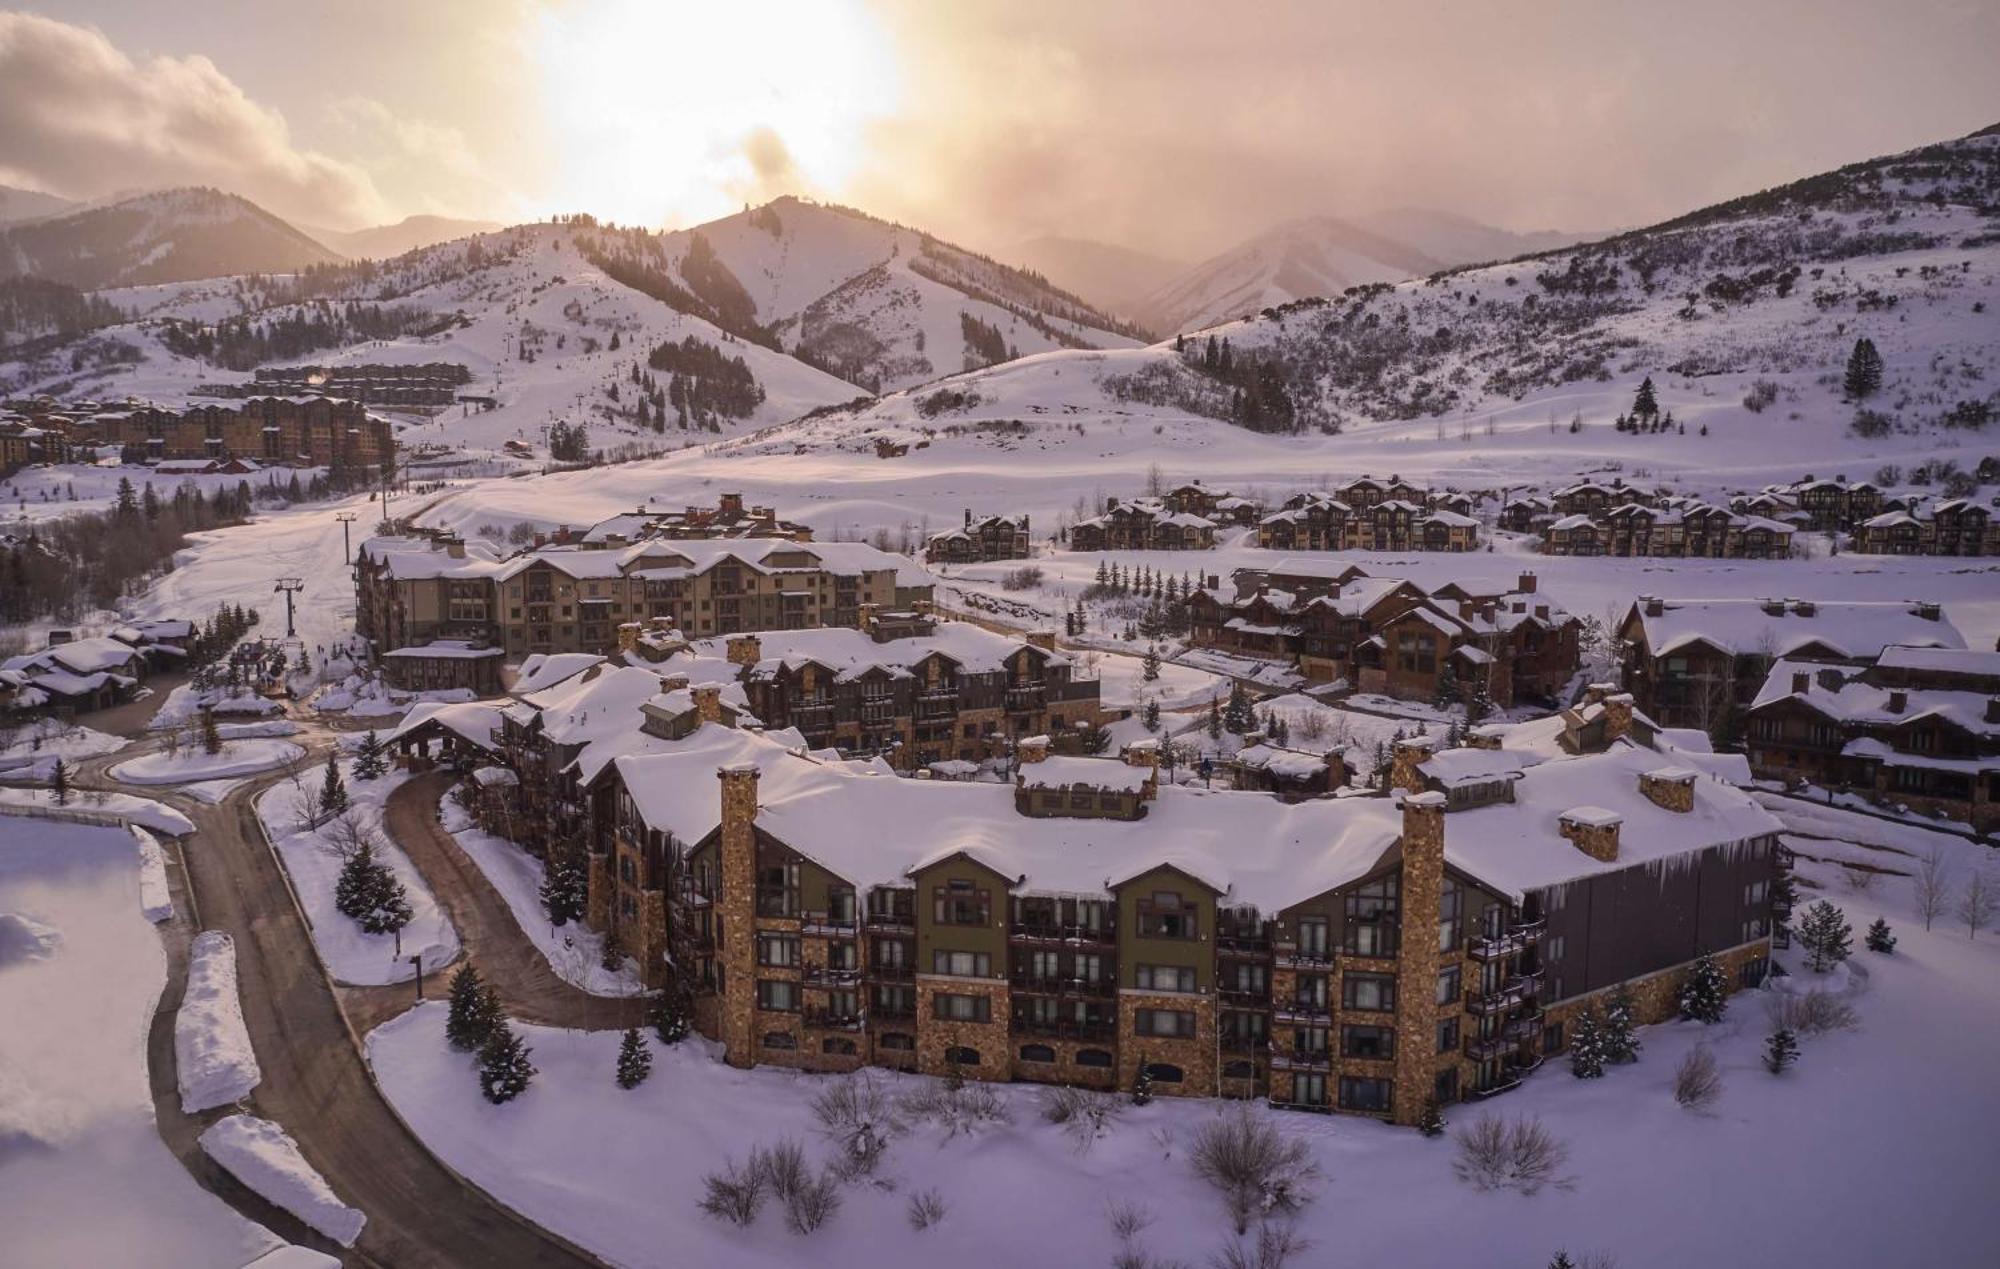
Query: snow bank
[264, 1157]
[211, 1043]
[91, 806]
[33, 754]
[22, 938]
[156, 899]
[238, 758]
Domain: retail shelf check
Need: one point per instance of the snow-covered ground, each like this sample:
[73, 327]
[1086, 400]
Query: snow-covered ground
[237, 758]
[312, 858]
[84, 1177]
[144, 812]
[32, 754]
[575, 953]
[212, 1050]
[1899, 1111]
[264, 1157]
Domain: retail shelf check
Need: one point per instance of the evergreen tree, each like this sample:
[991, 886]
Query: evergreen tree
[1781, 1050]
[1705, 992]
[1562, 1261]
[565, 885]
[127, 506]
[1215, 718]
[388, 909]
[1864, 370]
[668, 1014]
[1149, 714]
[473, 1009]
[1586, 1046]
[1646, 405]
[1879, 938]
[1239, 717]
[332, 793]
[1784, 897]
[635, 1060]
[1448, 691]
[1142, 1083]
[211, 735]
[1431, 1121]
[59, 782]
[369, 760]
[1103, 573]
[504, 1069]
[1621, 1040]
[1149, 667]
[354, 892]
[612, 955]
[1826, 936]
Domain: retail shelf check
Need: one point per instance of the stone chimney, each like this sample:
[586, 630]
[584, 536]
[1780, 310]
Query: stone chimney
[1801, 683]
[1899, 701]
[1337, 774]
[1617, 716]
[868, 617]
[1525, 583]
[745, 649]
[1594, 693]
[1653, 605]
[1410, 754]
[730, 505]
[1043, 639]
[1031, 749]
[968, 517]
[455, 547]
[1422, 886]
[735, 913]
[1592, 830]
[628, 636]
[708, 702]
[1146, 754]
[1670, 788]
[1483, 737]
[1930, 611]
[673, 682]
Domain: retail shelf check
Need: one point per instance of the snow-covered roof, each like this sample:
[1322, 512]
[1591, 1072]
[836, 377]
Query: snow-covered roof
[1854, 628]
[414, 559]
[1090, 773]
[685, 557]
[470, 720]
[1840, 693]
[546, 669]
[450, 649]
[851, 653]
[1966, 661]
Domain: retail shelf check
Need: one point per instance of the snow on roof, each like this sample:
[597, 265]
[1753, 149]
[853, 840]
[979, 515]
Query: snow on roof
[472, 720]
[1456, 767]
[1840, 693]
[1452, 519]
[546, 669]
[1970, 661]
[1288, 763]
[850, 653]
[410, 559]
[681, 557]
[451, 649]
[97, 655]
[1089, 773]
[1856, 628]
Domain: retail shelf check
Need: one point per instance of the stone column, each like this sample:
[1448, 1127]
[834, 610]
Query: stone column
[1417, 957]
[735, 914]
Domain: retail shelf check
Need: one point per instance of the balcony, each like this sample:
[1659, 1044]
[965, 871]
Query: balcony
[1301, 1011]
[892, 922]
[1290, 957]
[828, 976]
[1043, 933]
[837, 1021]
[1025, 699]
[891, 974]
[1525, 1025]
[1243, 946]
[1486, 1048]
[1312, 1060]
[1251, 1045]
[1068, 1029]
[826, 924]
[1486, 1004]
[1245, 998]
[1059, 984]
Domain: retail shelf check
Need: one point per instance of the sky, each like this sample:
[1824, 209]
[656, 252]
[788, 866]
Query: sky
[1172, 127]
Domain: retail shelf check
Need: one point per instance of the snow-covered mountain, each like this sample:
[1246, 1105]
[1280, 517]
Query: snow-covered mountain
[382, 242]
[165, 236]
[1455, 240]
[1112, 277]
[27, 204]
[879, 304]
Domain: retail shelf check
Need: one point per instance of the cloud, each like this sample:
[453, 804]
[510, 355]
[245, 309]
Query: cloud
[772, 170]
[83, 119]
[421, 165]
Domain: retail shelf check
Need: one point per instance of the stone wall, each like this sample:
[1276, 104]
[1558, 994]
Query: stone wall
[989, 1039]
[1195, 1056]
[735, 907]
[1416, 1059]
[1656, 997]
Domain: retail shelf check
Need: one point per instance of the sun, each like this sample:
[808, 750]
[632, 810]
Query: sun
[671, 113]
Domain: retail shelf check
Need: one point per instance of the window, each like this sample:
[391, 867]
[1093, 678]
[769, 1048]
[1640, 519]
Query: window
[1451, 911]
[1087, 967]
[1164, 1023]
[948, 1007]
[843, 955]
[1447, 1035]
[961, 903]
[1309, 1090]
[1164, 916]
[962, 964]
[1364, 1094]
[780, 1040]
[1752, 972]
[1163, 1073]
[777, 995]
[1310, 1042]
[1164, 978]
[1367, 1042]
[1552, 1038]
[961, 1055]
[1448, 984]
[840, 1045]
[1045, 965]
[1312, 937]
[1309, 992]
[1368, 991]
[1093, 1057]
[1037, 1053]
[896, 1040]
[1445, 1087]
[778, 950]
[1250, 978]
[1371, 918]
[1238, 1070]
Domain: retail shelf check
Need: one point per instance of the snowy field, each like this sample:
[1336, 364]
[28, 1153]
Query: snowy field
[313, 860]
[32, 752]
[1900, 1110]
[84, 1177]
[575, 953]
[238, 758]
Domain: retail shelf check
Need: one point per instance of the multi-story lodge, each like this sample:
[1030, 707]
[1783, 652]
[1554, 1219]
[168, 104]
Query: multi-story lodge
[274, 431]
[1950, 526]
[1388, 635]
[432, 383]
[1700, 662]
[1143, 524]
[1919, 727]
[907, 687]
[1594, 498]
[1823, 506]
[1672, 528]
[1219, 505]
[575, 597]
[1316, 521]
[728, 518]
[1365, 954]
[981, 539]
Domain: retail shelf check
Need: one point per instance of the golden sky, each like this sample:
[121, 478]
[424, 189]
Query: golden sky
[1174, 127]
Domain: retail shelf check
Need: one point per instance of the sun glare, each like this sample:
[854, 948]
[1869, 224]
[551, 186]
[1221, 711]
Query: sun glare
[663, 113]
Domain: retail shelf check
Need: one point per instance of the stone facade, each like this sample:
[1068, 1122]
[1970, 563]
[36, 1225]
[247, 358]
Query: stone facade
[1194, 1057]
[1416, 1059]
[1592, 832]
[735, 919]
[937, 1037]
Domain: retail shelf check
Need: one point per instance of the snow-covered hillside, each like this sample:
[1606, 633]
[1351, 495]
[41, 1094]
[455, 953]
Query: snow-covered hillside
[164, 236]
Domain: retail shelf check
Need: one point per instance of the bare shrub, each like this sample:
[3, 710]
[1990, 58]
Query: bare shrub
[1312, 725]
[345, 835]
[1520, 1154]
[1932, 884]
[1760, 396]
[1129, 1219]
[1859, 879]
[812, 1202]
[734, 1194]
[927, 1208]
[1273, 1248]
[1977, 903]
[1026, 577]
[783, 1168]
[1084, 1115]
[1814, 1013]
[854, 1115]
[1697, 1080]
[957, 1109]
[1256, 1168]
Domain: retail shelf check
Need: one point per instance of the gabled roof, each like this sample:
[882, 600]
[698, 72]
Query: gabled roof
[1853, 628]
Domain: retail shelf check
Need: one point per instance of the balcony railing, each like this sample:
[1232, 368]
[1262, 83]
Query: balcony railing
[1243, 945]
[1243, 996]
[892, 973]
[1486, 1048]
[1290, 957]
[1301, 1011]
[1044, 933]
[839, 1021]
[1312, 1060]
[1067, 1029]
[829, 976]
[1064, 985]
[826, 924]
[1024, 698]
[1517, 940]
[892, 922]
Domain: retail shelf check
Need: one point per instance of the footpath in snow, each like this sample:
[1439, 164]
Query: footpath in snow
[313, 855]
[264, 1157]
[211, 1043]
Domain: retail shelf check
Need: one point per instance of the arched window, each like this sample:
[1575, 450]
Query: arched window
[1163, 1073]
[1093, 1057]
[837, 1044]
[960, 1055]
[780, 1040]
[1037, 1053]
[1238, 1071]
[895, 1040]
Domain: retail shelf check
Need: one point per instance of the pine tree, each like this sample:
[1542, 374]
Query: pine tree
[612, 955]
[1149, 667]
[1705, 992]
[1215, 718]
[1586, 1046]
[1864, 370]
[565, 885]
[332, 793]
[1781, 1050]
[1621, 1040]
[388, 909]
[1562, 1261]
[1142, 1083]
[635, 1060]
[1645, 404]
[473, 1009]
[504, 1069]
[211, 735]
[1784, 897]
[1149, 714]
[369, 760]
[59, 782]
[668, 1015]
[1239, 717]
[354, 892]
[1879, 938]
[1431, 1121]
[127, 506]
[1448, 691]
[1826, 936]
